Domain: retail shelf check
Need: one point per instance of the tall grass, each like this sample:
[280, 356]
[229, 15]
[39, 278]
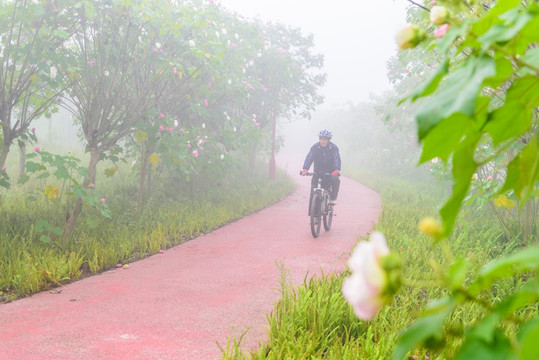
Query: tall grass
[27, 265]
[313, 321]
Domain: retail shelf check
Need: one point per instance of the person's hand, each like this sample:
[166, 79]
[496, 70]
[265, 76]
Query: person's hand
[335, 173]
[303, 172]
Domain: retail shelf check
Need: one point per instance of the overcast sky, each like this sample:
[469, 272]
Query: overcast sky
[356, 38]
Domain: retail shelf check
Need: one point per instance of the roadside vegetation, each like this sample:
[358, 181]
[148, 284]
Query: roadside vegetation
[28, 264]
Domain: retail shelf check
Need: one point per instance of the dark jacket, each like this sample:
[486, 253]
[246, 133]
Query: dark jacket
[326, 159]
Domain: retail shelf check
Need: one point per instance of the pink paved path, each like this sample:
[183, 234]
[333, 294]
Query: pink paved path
[179, 304]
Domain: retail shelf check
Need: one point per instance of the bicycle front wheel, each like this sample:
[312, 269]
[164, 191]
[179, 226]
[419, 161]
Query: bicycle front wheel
[328, 217]
[316, 220]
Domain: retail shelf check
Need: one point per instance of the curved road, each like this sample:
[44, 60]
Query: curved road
[180, 304]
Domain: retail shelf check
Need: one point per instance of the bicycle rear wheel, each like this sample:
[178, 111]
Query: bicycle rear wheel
[328, 218]
[316, 220]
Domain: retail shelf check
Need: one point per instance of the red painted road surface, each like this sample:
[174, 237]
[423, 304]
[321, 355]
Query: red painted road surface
[180, 304]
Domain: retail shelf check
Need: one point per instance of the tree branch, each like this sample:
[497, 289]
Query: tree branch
[419, 5]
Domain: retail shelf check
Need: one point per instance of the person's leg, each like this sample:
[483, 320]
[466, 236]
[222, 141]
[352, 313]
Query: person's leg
[335, 184]
[314, 182]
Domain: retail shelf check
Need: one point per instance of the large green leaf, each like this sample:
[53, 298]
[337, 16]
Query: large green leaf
[442, 140]
[475, 347]
[528, 340]
[515, 20]
[521, 261]
[508, 121]
[457, 95]
[429, 327]
[430, 86]
[464, 166]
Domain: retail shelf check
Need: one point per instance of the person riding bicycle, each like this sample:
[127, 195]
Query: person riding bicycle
[327, 159]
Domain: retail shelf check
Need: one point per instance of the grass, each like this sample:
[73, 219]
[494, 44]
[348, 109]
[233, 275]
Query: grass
[28, 265]
[313, 321]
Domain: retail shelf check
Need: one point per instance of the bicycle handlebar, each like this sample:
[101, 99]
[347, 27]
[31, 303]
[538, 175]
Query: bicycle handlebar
[313, 173]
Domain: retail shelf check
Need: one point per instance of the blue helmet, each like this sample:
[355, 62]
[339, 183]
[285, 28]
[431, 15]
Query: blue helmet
[325, 133]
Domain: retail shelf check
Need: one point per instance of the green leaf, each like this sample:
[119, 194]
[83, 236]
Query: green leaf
[31, 198]
[445, 137]
[504, 69]
[457, 95]
[42, 225]
[464, 166]
[45, 239]
[430, 86]
[501, 33]
[508, 121]
[521, 261]
[527, 337]
[61, 173]
[429, 327]
[475, 347]
[526, 295]
[457, 273]
[486, 22]
[528, 170]
[32, 167]
[532, 57]
[23, 179]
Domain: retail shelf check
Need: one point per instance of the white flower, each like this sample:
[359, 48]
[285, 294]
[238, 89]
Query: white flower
[363, 289]
[175, 123]
[439, 15]
[54, 71]
[222, 156]
[229, 81]
[217, 34]
[203, 125]
[236, 36]
[158, 45]
[234, 129]
[223, 31]
[192, 43]
[106, 73]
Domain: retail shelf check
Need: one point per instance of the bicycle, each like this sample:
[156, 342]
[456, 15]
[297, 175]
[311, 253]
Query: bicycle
[320, 208]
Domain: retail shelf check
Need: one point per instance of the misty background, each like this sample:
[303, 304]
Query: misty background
[357, 41]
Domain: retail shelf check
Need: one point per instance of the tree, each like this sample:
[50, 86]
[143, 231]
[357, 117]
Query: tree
[30, 80]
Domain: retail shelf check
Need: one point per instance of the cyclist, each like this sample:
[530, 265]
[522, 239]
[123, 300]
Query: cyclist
[327, 159]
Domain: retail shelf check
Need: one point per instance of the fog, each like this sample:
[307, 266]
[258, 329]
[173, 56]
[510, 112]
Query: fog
[356, 39]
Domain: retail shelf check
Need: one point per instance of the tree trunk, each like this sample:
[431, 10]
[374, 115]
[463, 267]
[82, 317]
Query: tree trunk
[72, 220]
[252, 159]
[272, 159]
[142, 180]
[22, 160]
[6, 144]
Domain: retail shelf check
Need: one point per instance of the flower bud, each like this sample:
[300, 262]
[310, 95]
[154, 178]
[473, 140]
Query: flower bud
[410, 36]
[439, 15]
[430, 226]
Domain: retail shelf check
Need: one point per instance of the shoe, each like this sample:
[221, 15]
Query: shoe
[333, 202]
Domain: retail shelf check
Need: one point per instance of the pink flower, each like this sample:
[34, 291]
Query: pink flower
[161, 115]
[36, 149]
[119, 265]
[206, 102]
[195, 153]
[91, 63]
[33, 129]
[92, 186]
[363, 289]
[103, 200]
[233, 45]
[189, 145]
[432, 3]
[162, 251]
[210, 85]
[4, 169]
[155, 51]
[171, 130]
[440, 32]
[175, 69]
[182, 131]
[162, 127]
[489, 178]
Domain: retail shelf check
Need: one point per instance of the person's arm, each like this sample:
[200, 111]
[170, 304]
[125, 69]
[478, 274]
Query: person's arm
[309, 159]
[336, 159]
